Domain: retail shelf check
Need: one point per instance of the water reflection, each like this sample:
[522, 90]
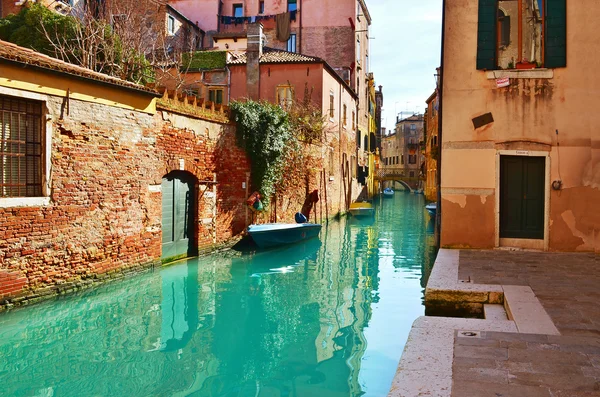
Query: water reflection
[321, 319]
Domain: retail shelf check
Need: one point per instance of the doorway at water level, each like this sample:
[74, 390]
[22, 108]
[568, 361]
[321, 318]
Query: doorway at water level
[178, 214]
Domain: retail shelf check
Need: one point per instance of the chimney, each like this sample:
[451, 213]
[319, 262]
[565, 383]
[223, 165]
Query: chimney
[253, 53]
[381, 89]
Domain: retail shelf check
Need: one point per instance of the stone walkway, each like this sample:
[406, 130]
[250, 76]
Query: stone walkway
[516, 364]
[548, 346]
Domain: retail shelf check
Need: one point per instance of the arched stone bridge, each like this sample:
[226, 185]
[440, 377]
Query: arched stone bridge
[400, 175]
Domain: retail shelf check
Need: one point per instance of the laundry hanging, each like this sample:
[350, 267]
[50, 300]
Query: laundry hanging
[282, 21]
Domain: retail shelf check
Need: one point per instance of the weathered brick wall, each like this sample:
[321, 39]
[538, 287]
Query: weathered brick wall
[103, 219]
[105, 213]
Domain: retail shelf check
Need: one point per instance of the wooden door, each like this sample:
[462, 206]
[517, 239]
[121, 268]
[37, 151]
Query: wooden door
[178, 204]
[522, 190]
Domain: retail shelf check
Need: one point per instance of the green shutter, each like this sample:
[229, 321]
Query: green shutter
[486, 35]
[556, 34]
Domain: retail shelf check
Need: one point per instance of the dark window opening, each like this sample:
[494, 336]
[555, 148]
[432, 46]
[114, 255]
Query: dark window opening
[292, 5]
[20, 148]
[215, 95]
[291, 43]
[261, 7]
[238, 10]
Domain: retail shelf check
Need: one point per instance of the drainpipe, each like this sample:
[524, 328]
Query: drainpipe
[341, 157]
[438, 214]
[300, 26]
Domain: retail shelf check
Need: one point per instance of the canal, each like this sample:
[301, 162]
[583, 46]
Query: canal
[326, 318]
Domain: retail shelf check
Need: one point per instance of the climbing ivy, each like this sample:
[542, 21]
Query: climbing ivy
[263, 130]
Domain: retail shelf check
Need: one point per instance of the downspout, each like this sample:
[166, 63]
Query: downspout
[438, 214]
[341, 157]
[228, 83]
[300, 26]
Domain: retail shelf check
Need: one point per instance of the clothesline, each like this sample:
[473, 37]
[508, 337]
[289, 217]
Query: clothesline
[225, 20]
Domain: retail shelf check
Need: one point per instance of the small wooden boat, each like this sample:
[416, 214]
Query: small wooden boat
[432, 209]
[361, 209]
[274, 234]
[387, 192]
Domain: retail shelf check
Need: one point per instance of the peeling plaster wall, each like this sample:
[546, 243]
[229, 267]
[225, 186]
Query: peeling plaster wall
[526, 115]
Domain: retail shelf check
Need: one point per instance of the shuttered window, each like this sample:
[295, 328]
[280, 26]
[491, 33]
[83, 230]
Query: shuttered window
[20, 148]
[486, 35]
[556, 34]
[521, 34]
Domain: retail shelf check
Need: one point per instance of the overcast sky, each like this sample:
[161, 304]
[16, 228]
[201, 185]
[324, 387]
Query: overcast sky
[405, 50]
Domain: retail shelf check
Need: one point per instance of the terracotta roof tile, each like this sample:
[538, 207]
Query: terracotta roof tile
[272, 55]
[14, 53]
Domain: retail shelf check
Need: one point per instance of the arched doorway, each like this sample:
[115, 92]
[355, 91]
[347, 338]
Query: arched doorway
[178, 214]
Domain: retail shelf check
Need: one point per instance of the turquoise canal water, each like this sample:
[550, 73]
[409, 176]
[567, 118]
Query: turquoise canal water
[326, 318]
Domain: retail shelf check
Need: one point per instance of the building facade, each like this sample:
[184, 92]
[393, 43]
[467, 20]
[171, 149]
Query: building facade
[517, 166]
[431, 147]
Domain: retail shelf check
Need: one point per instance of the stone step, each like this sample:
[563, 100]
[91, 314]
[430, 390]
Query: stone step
[524, 308]
[494, 312]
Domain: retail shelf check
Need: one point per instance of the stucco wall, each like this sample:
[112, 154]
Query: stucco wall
[527, 116]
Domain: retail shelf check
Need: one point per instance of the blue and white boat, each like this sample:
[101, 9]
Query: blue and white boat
[388, 192]
[275, 234]
[432, 209]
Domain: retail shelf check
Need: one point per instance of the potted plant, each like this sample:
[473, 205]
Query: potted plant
[525, 64]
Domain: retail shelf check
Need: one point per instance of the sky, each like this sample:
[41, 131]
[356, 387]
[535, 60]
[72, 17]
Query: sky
[405, 50]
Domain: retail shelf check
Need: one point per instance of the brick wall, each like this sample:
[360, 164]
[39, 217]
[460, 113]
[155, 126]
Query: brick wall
[104, 220]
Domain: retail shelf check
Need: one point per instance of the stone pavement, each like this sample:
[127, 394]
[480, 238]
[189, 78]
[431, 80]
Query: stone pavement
[548, 346]
[512, 364]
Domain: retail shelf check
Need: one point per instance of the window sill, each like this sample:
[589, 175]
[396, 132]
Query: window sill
[24, 202]
[520, 74]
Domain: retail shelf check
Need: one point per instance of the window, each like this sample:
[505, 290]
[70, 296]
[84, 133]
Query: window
[292, 5]
[533, 36]
[402, 159]
[170, 24]
[344, 117]
[358, 51]
[353, 120]
[367, 63]
[412, 159]
[261, 7]
[215, 95]
[285, 96]
[413, 128]
[238, 10]
[411, 174]
[20, 148]
[291, 43]
[331, 102]
[366, 143]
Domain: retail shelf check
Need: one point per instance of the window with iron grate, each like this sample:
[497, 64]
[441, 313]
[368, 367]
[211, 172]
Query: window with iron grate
[21, 147]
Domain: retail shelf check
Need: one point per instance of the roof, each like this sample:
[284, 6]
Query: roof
[272, 55]
[365, 10]
[10, 52]
[230, 35]
[275, 56]
[414, 117]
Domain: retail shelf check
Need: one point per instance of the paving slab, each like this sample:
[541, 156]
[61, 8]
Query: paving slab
[552, 348]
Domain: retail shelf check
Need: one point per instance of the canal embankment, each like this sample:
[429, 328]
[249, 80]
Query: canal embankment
[543, 342]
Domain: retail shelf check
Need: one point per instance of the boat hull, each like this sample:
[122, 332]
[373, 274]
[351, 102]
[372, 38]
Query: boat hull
[273, 235]
[432, 209]
[361, 210]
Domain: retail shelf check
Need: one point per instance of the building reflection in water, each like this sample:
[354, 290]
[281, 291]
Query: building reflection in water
[292, 321]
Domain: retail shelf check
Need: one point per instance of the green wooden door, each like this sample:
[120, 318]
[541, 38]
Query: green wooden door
[178, 215]
[522, 201]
